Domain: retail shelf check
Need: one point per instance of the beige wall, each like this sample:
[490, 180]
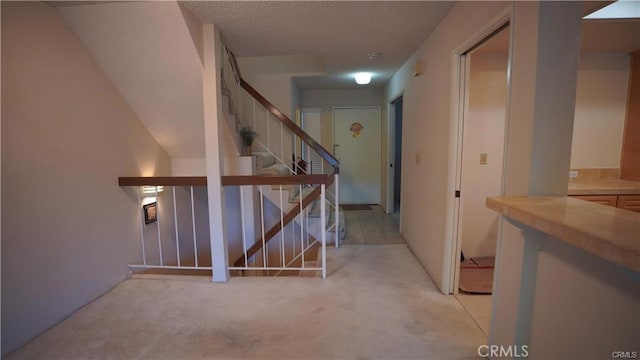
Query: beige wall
[601, 104]
[427, 121]
[271, 76]
[484, 128]
[69, 230]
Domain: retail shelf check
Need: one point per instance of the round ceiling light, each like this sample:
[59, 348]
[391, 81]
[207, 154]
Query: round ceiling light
[363, 78]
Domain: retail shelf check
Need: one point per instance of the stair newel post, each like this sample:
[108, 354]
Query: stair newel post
[324, 233]
[336, 204]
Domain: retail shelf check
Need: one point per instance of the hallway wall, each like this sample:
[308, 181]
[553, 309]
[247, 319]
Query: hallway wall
[67, 134]
[427, 122]
[601, 105]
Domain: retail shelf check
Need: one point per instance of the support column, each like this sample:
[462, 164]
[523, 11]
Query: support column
[543, 76]
[212, 99]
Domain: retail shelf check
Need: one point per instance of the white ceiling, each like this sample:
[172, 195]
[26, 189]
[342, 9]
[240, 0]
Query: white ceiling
[339, 33]
[147, 51]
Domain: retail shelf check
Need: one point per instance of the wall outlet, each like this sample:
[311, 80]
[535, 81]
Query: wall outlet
[573, 174]
[483, 158]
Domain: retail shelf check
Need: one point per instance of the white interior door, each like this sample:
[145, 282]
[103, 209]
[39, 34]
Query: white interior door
[357, 146]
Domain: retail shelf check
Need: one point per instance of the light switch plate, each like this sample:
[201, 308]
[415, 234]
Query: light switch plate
[483, 158]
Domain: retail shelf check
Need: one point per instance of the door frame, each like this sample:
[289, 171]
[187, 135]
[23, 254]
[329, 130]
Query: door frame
[391, 151]
[378, 152]
[301, 125]
[453, 245]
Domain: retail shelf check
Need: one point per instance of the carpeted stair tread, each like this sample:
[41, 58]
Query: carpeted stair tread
[264, 159]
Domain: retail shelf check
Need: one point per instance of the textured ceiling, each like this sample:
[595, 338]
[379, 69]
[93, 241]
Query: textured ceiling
[339, 33]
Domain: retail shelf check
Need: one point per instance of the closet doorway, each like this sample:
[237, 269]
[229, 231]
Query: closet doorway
[394, 176]
[481, 129]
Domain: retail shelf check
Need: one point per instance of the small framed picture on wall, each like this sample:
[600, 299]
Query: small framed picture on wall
[150, 213]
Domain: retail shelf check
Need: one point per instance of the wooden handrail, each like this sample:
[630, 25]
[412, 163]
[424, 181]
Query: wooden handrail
[163, 181]
[273, 231]
[277, 180]
[326, 155]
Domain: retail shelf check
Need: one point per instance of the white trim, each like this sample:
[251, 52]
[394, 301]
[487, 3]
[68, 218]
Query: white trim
[391, 151]
[390, 140]
[451, 259]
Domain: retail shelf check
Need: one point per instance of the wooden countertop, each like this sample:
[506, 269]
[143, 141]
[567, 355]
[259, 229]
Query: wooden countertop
[603, 187]
[604, 231]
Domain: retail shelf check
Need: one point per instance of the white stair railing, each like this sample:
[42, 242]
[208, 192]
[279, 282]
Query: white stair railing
[284, 242]
[173, 231]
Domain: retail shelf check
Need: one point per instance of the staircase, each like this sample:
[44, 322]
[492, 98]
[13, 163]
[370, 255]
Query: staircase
[266, 165]
[296, 211]
[280, 215]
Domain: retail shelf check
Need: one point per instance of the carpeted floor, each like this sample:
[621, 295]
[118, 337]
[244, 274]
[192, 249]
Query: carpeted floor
[377, 302]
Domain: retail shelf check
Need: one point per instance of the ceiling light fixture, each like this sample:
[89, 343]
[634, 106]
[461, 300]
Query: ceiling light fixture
[363, 78]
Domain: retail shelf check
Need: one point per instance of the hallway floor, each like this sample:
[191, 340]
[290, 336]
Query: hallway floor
[479, 308]
[377, 302]
[372, 227]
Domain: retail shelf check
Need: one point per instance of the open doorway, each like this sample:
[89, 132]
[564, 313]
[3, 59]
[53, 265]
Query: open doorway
[395, 155]
[480, 163]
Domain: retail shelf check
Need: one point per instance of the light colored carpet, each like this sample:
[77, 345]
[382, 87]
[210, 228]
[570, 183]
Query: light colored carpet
[376, 303]
[479, 308]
